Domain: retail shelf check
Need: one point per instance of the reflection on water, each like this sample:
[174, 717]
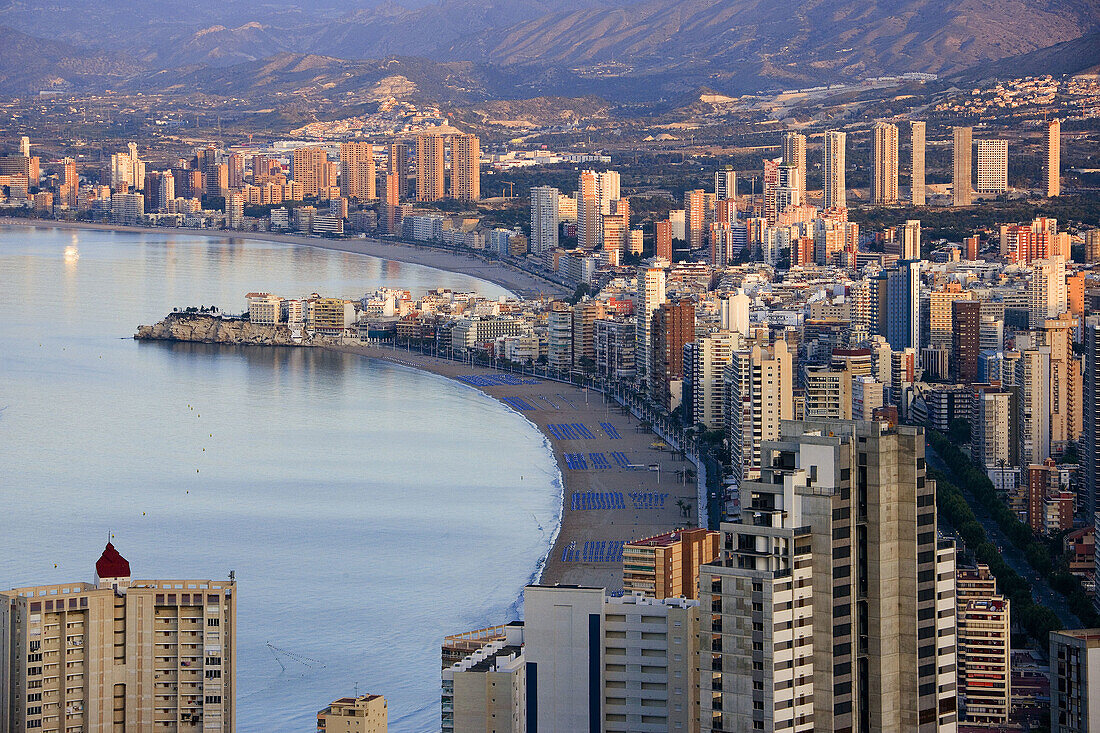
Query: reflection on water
[361, 519]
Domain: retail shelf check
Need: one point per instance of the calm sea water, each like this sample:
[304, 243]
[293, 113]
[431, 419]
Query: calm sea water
[367, 509]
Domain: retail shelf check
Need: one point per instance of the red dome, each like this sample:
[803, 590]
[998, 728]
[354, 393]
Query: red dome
[111, 564]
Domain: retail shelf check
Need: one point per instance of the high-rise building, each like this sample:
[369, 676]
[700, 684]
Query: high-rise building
[991, 428]
[651, 295]
[559, 336]
[984, 647]
[710, 355]
[307, 168]
[903, 305]
[585, 315]
[1089, 453]
[1092, 246]
[25, 146]
[662, 240]
[961, 151]
[992, 166]
[694, 218]
[771, 186]
[357, 170]
[1046, 291]
[917, 129]
[758, 386]
[544, 219]
[466, 167]
[234, 210]
[725, 184]
[831, 606]
[667, 566]
[361, 714]
[1032, 384]
[391, 198]
[673, 326]
[794, 154]
[82, 656]
[884, 184]
[589, 218]
[1054, 158]
[430, 167]
[578, 643]
[909, 235]
[485, 681]
[835, 187]
[1074, 677]
[398, 166]
[965, 339]
[828, 393]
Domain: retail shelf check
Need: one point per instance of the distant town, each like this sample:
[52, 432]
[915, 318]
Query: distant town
[879, 405]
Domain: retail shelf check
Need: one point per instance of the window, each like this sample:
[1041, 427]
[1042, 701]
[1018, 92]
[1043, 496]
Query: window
[213, 699]
[213, 622]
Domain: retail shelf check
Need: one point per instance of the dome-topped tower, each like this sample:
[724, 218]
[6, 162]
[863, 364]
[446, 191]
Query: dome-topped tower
[112, 569]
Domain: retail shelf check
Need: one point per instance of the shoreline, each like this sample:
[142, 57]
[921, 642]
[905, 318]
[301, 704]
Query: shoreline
[587, 546]
[511, 279]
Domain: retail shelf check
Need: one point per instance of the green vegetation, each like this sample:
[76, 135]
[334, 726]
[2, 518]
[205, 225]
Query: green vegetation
[1038, 620]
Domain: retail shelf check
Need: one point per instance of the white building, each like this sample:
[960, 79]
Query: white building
[992, 166]
[544, 219]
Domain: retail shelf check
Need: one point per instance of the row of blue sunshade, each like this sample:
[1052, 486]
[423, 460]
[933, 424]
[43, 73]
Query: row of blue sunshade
[496, 380]
[577, 461]
[594, 551]
[581, 500]
[570, 431]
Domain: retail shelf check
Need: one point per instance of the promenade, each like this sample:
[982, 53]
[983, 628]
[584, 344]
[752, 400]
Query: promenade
[611, 495]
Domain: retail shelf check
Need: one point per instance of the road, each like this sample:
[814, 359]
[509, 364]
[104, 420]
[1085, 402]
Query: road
[1040, 590]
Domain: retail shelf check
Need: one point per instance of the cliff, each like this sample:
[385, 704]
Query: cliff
[213, 329]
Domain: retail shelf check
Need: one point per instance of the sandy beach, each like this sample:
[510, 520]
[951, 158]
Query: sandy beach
[610, 495]
[517, 281]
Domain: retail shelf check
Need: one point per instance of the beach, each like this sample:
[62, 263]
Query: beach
[611, 495]
[517, 281]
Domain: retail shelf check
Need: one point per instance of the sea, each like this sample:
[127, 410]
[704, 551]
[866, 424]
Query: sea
[365, 509]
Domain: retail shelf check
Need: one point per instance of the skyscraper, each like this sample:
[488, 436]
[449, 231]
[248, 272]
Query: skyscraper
[651, 294]
[725, 184]
[544, 219]
[694, 218]
[884, 185]
[831, 606]
[771, 186]
[984, 641]
[466, 168]
[667, 566]
[1074, 671]
[992, 166]
[1090, 427]
[916, 170]
[1054, 158]
[429, 167]
[903, 305]
[966, 320]
[356, 182]
[758, 386]
[794, 154]
[84, 656]
[25, 146]
[662, 240]
[673, 326]
[1046, 291]
[306, 168]
[961, 152]
[835, 196]
[589, 218]
[398, 165]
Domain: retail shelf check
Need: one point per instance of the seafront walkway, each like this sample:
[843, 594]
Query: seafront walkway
[621, 481]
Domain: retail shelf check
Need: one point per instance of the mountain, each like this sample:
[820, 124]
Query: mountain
[29, 65]
[1080, 54]
[626, 50]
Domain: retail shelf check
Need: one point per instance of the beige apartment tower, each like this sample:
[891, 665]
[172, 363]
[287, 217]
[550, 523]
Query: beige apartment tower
[357, 174]
[992, 166]
[794, 154]
[466, 168]
[1054, 158]
[884, 185]
[758, 386]
[307, 168]
[835, 196]
[918, 130]
[667, 566]
[362, 714]
[119, 654]
[984, 647]
[429, 167]
[961, 152]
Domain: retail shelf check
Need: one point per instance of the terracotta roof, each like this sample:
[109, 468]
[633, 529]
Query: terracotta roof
[111, 564]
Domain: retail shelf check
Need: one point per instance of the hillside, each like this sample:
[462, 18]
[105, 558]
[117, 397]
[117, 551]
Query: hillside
[626, 50]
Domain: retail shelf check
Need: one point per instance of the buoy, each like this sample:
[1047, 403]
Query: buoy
[204, 450]
[196, 470]
[143, 514]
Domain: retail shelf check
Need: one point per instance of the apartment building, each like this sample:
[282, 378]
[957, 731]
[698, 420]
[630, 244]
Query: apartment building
[667, 565]
[119, 654]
